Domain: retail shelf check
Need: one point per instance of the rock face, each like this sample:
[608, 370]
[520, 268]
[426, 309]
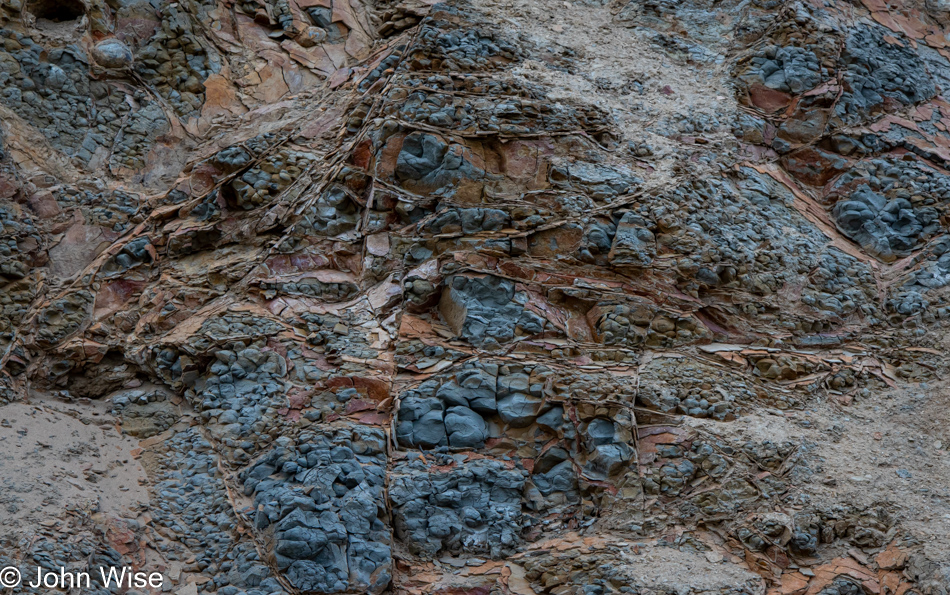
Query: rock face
[477, 296]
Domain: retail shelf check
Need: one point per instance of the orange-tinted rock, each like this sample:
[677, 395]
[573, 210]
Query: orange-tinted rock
[891, 559]
[814, 167]
[767, 99]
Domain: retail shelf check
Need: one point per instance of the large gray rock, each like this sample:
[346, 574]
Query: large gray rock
[559, 478]
[600, 431]
[112, 53]
[465, 428]
[519, 410]
[608, 459]
[553, 418]
[487, 311]
[473, 388]
[421, 423]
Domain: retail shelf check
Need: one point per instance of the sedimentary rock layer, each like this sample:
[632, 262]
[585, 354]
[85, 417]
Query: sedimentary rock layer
[481, 296]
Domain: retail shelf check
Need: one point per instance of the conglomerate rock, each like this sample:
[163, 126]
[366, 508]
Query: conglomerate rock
[478, 296]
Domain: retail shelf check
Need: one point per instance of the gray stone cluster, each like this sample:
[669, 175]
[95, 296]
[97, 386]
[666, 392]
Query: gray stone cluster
[133, 254]
[882, 227]
[175, 61]
[87, 119]
[512, 111]
[194, 508]
[890, 206]
[597, 181]
[144, 413]
[841, 285]
[598, 240]
[332, 214]
[487, 311]
[690, 387]
[339, 335]
[321, 498]
[475, 507]
[633, 243]
[875, 70]
[468, 221]
[311, 287]
[64, 316]
[389, 61]
[454, 412]
[455, 48]
[427, 164]
[52, 552]
[140, 132]
[116, 210]
[237, 325]
[637, 323]
[16, 230]
[240, 395]
[790, 69]
[484, 403]
[48, 88]
[264, 182]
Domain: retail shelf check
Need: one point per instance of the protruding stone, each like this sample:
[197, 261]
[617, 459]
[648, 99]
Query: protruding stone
[112, 53]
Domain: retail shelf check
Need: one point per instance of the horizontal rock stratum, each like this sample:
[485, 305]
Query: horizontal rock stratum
[479, 297]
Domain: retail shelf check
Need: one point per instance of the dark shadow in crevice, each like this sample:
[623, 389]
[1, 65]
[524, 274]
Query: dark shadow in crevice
[57, 11]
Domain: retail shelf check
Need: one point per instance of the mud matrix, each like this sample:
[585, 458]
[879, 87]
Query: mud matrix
[475, 297]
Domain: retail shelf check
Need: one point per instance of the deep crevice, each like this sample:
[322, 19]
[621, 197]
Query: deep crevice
[58, 11]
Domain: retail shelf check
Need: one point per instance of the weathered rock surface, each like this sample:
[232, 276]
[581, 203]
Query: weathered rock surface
[477, 296]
